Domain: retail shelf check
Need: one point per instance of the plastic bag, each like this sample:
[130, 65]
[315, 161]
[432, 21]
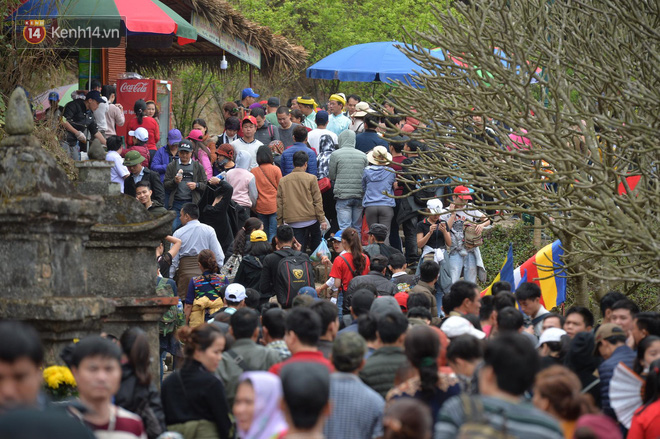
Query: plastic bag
[321, 250]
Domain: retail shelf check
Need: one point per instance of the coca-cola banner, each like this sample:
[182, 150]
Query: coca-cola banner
[129, 91]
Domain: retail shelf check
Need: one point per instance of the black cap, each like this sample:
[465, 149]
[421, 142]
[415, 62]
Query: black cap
[306, 389]
[273, 102]
[185, 145]
[94, 95]
[378, 230]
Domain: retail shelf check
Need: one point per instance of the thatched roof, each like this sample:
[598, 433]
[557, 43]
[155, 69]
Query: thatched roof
[278, 54]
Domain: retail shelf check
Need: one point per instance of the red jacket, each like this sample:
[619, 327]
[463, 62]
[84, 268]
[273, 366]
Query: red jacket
[151, 125]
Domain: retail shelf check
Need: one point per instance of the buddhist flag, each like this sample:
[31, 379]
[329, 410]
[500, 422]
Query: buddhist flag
[546, 270]
[505, 274]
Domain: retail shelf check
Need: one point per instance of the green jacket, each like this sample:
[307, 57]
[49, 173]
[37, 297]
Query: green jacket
[253, 356]
[346, 168]
[381, 368]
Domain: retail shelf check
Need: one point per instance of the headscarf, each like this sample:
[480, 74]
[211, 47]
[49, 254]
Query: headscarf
[326, 147]
[307, 101]
[268, 419]
[338, 98]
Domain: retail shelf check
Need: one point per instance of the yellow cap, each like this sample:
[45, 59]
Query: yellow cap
[258, 236]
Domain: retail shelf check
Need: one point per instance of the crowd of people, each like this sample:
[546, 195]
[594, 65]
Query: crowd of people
[398, 343]
[392, 370]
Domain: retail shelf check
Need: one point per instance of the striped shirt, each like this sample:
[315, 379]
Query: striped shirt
[357, 410]
[521, 420]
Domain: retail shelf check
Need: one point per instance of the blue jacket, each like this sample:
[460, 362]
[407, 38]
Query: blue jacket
[287, 158]
[375, 181]
[161, 160]
[366, 141]
[606, 370]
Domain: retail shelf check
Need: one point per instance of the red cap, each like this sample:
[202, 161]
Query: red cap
[251, 119]
[462, 192]
[402, 300]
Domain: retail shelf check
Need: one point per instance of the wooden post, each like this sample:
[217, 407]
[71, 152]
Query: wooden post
[250, 75]
[537, 232]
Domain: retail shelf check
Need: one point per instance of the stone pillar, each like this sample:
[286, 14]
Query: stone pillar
[121, 254]
[44, 223]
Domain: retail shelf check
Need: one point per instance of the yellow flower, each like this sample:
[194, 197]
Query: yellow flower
[54, 376]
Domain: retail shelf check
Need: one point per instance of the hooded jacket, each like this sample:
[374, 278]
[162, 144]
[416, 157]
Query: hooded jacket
[346, 167]
[242, 180]
[375, 181]
[267, 133]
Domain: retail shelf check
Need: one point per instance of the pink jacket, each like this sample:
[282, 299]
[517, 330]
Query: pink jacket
[205, 161]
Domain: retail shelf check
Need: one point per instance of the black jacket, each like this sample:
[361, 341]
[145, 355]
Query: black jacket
[218, 216]
[154, 181]
[132, 396]
[384, 287]
[249, 272]
[193, 393]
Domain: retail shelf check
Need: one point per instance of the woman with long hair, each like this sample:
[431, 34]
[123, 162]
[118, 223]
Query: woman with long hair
[194, 397]
[201, 152]
[557, 392]
[648, 350]
[433, 388]
[152, 109]
[150, 124]
[645, 423]
[137, 393]
[249, 271]
[348, 265]
[256, 406]
[200, 124]
[243, 236]
[267, 177]
[204, 295]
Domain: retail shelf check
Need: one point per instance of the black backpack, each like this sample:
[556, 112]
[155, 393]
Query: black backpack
[294, 272]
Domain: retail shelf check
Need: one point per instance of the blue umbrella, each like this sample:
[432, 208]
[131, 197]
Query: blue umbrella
[382, 61]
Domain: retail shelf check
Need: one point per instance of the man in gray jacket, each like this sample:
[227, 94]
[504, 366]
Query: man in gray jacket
[376, 278]
[346, 167]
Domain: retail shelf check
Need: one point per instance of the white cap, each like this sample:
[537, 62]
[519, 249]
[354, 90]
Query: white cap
[235, 293]
[140, 133]
[434, 206]
[455, 326]
[550, 335]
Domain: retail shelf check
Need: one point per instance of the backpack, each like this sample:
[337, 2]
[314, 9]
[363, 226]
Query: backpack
[475, 424]
[230, 268]
[294, 272]
[425, 193]
[472, 238]
[173, 317]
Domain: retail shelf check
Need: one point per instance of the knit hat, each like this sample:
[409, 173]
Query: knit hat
[383, 305]
[225, 150]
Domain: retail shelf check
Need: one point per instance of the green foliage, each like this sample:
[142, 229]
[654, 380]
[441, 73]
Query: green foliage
[327, 26]
[496, 246]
